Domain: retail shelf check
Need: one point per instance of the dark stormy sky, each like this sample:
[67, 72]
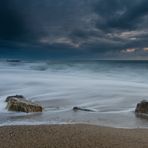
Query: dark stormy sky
[74, 29]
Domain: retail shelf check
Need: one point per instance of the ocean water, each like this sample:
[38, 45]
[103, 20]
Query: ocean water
[110, 88]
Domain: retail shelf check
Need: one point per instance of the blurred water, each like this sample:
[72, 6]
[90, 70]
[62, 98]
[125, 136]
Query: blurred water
[111, 88]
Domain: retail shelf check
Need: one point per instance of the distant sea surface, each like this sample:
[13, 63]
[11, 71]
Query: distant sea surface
[110, 88]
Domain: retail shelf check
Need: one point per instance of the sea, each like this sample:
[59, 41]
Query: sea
[110, 88]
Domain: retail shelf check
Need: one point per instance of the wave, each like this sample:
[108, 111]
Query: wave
[112, 89]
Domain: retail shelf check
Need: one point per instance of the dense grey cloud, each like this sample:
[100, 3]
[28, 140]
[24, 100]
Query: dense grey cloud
[122, 14]
[75, 28]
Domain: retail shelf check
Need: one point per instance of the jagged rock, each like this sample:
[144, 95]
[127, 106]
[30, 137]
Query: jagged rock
[142, 107]
[20, 104]
[82, 109]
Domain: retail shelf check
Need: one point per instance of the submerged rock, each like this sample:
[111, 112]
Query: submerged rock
[13, 60]
[142, 107]
[82, 109]
[20, 104]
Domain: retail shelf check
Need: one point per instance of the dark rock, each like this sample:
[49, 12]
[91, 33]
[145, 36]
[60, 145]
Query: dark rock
[20, 104]
[82, 109]
[13, 60]
[16, 97]
[142, 107]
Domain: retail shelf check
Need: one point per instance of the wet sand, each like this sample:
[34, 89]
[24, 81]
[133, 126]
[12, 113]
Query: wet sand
[71, 136]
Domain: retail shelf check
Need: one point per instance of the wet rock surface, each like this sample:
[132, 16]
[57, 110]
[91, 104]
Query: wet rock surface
[19, 103]
[142, 107]
[15, 98]
[76, 108]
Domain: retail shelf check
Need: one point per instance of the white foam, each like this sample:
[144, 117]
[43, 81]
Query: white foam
[10, 123]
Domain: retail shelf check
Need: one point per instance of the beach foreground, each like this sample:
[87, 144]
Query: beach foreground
[71, 136]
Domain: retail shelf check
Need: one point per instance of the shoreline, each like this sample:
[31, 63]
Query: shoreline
[71, 136]
[69, 124]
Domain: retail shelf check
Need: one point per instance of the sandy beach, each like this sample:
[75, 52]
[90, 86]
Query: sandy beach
[71, 136]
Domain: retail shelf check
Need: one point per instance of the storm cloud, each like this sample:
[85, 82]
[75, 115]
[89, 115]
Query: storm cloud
[79, 28]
